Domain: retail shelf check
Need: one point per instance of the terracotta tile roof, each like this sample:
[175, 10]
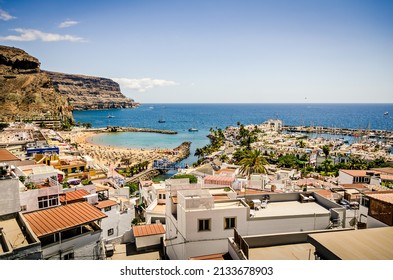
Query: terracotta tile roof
[324, 193]
[52, 220]
[146, 230]
[357, 173]
[226, 170]
[220, 180]
[73, 196]
[386, 170]
[146, 183]
[6, 155]
[387, 177]
[353, 186]
[385, 197]
[105, 203]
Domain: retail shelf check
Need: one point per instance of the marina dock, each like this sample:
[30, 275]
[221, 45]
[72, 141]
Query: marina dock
[370, 133]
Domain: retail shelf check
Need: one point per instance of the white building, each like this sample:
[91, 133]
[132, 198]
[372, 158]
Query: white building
[37, 172]
[273, 125]
[17, 240]
[9, 187]
[148, 236]
[118, 223]
[68, 232]
[355, 176]
[199, 223]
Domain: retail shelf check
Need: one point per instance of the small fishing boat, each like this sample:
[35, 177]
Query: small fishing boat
[161, 120]
[386, 113]
[192, 129]
[110, 116]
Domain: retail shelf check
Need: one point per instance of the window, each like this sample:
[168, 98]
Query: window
[106, 209]
[110, 231]
[23, 207]
[48, 201]
[161, 196]
[229, 223]
[204, 225]
[69, 256]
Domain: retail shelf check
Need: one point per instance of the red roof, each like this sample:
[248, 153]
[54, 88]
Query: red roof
[73, 196]
[150, 229]
[387, 177]
[324, 193]
[6, 155]
[358, 173]
[226, 170]
[385, 197]
[105, 203]
[56, 219]
[219, 180]
[353, 186]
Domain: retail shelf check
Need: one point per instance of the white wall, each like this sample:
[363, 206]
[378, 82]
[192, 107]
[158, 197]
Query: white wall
[120, 222]
[172, 237]
[29, 198]
[216, 240]
[371, 222]
[147, 241]
[217, 223]
[203, 242]
[344, 178]
[84, 247]
[9, 196]
[290, 224]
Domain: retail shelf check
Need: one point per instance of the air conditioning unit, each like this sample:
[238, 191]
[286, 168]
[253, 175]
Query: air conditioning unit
[92, 198]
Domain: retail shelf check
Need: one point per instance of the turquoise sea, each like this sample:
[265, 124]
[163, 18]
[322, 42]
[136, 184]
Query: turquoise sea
[181, 117]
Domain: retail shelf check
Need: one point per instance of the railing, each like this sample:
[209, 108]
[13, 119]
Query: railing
[241, 243]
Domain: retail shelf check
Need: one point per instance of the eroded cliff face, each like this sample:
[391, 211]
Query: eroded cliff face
[29, 93]
[25, 91]
[90, 93]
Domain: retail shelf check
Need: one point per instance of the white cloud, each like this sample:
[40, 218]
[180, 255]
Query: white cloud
[5, 15]
[33, 35]
[68, 23]
[144, 84]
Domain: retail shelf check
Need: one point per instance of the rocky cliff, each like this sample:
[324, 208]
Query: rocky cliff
[87, 93]
[25, 91]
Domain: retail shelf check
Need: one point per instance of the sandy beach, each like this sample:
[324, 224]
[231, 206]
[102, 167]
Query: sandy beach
[111, 155]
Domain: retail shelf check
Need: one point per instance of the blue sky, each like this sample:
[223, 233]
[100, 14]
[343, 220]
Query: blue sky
[201, 51]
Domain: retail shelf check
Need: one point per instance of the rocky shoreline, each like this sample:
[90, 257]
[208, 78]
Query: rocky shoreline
[183, 151]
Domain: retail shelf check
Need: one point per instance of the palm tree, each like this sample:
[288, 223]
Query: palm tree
[253, 162]
[326, 150]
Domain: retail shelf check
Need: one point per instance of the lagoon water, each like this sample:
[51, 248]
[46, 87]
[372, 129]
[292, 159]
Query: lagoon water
[181, 117]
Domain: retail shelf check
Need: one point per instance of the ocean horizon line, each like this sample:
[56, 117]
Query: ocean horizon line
[267, 103]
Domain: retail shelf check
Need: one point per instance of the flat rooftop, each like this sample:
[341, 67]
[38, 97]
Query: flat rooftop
[159, 209]
[289, 208]
[302, 251]
[228, 204]
[364, 244]
[13, 234]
